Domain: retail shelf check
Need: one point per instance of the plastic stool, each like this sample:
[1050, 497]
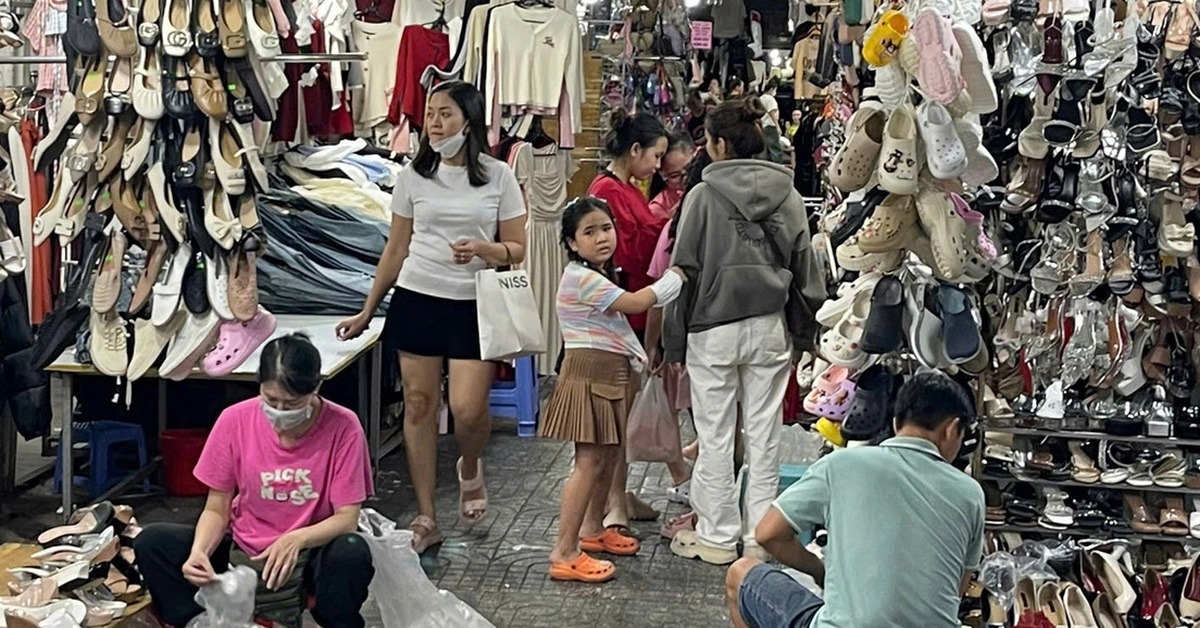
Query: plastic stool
[100, 437]
[518, 400]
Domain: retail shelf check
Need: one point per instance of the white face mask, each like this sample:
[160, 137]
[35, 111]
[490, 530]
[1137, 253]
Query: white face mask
[283, 420]
[450, 146]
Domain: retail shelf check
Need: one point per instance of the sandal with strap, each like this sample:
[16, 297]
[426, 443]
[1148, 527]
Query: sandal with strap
[431, 537]
[611, 542]
[471, 510]
[583, 569]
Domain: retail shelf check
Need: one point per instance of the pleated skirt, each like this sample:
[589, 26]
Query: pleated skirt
[591, 399]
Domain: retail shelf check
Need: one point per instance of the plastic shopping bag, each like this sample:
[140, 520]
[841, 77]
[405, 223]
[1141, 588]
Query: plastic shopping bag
[652, 432]
[228, 602]
[509, 324]
[403, 593]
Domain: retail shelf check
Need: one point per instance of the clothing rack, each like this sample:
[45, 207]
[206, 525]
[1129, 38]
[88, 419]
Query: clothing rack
[285, 58]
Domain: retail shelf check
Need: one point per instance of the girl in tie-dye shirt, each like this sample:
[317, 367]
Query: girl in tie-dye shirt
[596, 386]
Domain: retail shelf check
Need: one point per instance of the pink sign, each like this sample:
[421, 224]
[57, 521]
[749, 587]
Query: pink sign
[702, 35]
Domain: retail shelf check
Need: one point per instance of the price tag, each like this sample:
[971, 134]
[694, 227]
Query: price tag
[702, 35]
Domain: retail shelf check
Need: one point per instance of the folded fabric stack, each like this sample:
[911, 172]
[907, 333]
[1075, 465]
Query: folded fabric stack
[322, 257]
[86, 574]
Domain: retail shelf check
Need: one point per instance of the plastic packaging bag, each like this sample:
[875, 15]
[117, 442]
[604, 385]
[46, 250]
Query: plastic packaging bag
[998, 574]
[228, 602]
[798, 445]
[403, 593]
[653, 430]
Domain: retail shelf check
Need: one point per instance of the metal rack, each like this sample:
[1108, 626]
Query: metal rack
[1097, 436]
[1122, 487]
[284, 58]
[1094, 534]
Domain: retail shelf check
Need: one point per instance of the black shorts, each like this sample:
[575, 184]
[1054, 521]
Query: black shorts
[432, 326]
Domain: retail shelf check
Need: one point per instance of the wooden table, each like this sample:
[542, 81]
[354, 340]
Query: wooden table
[336, 357]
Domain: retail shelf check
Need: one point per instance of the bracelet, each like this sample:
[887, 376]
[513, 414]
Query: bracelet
[507, 254]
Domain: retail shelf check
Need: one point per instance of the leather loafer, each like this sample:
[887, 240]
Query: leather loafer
[149, 16]
[208, 37]
[176, 28]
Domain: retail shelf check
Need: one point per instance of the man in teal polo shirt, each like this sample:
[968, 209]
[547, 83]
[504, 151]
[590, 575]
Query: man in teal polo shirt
[905, 528]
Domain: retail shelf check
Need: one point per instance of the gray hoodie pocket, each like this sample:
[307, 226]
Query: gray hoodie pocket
[741, 291]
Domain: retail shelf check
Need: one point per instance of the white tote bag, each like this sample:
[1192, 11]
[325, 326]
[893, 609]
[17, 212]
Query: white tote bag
[509, 325]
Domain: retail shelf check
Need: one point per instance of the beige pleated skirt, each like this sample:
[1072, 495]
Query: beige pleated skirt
[591, 400]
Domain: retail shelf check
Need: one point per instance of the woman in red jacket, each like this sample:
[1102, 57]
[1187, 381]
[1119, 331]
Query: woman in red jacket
[635, 144]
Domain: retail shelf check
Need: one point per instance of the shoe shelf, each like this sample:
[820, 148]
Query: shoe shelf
[1078, 435]
[1096, 485]
[1094, 533]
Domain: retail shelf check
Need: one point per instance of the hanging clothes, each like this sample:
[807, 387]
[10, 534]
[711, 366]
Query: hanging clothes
[545, 172]
[420, 48]
[536, 66]
[381, 42]
[42, 265]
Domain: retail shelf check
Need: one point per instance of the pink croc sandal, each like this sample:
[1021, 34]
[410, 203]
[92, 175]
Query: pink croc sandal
[237, 342]
[835, 406]
[939, 72]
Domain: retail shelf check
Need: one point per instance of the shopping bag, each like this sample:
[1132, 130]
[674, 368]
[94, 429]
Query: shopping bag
[679, 387]
[400, 592]
[652, 432]
[509, 325]
[228, 602]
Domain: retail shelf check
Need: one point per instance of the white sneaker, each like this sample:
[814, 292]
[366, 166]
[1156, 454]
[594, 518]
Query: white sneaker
[217, 284]
[898, 165]
[944, 151]
[198, 335]
[108, 344]
[680, 494]
[1053, 407]
[149, 341]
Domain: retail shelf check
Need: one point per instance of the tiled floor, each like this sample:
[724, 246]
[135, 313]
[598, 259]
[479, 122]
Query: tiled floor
[499, 567]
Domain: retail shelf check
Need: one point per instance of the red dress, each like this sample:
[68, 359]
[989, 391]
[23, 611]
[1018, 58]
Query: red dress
[638, 229]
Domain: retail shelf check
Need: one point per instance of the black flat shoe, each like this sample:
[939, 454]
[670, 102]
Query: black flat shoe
[83, 36]
[195, 290]
[177, 89]
[204, 24]
[262, 105]
[241, 106]
[192, 156]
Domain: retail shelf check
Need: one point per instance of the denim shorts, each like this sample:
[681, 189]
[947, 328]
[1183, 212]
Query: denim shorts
[769, 598]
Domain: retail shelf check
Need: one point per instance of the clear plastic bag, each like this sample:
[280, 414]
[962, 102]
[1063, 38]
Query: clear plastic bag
[228, 602]
[798, 445]
[998, 574]
[403, 594]
[653, 430]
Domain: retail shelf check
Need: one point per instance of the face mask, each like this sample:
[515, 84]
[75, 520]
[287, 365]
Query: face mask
[283, 420]
[450, 146]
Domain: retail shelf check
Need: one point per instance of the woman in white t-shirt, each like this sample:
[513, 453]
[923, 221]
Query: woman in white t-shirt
[458, 211]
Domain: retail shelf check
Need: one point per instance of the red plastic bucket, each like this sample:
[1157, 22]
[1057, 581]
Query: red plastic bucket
[180, 453]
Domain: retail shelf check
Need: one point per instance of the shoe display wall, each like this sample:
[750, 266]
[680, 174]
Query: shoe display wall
[1026, 173]
[152, 100]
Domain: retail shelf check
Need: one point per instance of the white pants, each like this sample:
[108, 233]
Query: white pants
[745, 363]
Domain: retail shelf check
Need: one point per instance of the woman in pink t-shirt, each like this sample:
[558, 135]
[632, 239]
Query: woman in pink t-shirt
[287, 474]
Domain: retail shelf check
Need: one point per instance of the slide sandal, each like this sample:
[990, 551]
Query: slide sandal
[471, 510]
[92, 522]
[611, 542]
[583, 569]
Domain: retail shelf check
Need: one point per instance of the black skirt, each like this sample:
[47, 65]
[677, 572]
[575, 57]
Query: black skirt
[424, 325]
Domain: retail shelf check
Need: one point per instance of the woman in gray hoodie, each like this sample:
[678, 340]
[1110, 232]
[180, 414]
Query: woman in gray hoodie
[752, 288]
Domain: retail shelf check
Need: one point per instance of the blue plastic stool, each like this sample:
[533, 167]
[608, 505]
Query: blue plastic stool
[100, 437]
[518, 400]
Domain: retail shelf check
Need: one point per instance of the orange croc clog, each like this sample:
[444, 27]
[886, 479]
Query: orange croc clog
[583, 569]
[882, 41]
[611, 542]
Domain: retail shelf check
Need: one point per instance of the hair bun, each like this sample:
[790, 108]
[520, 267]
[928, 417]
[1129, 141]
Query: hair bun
[618, 118]
[751, 109]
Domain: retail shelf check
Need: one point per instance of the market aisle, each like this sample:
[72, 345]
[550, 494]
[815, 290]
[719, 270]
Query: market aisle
[499, 567]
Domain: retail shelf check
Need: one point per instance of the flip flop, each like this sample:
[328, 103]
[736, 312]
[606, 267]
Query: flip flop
[471, 510]
[583, 569]
[611, 542]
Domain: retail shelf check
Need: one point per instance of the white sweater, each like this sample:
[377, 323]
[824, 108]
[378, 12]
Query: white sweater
[536, 54]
